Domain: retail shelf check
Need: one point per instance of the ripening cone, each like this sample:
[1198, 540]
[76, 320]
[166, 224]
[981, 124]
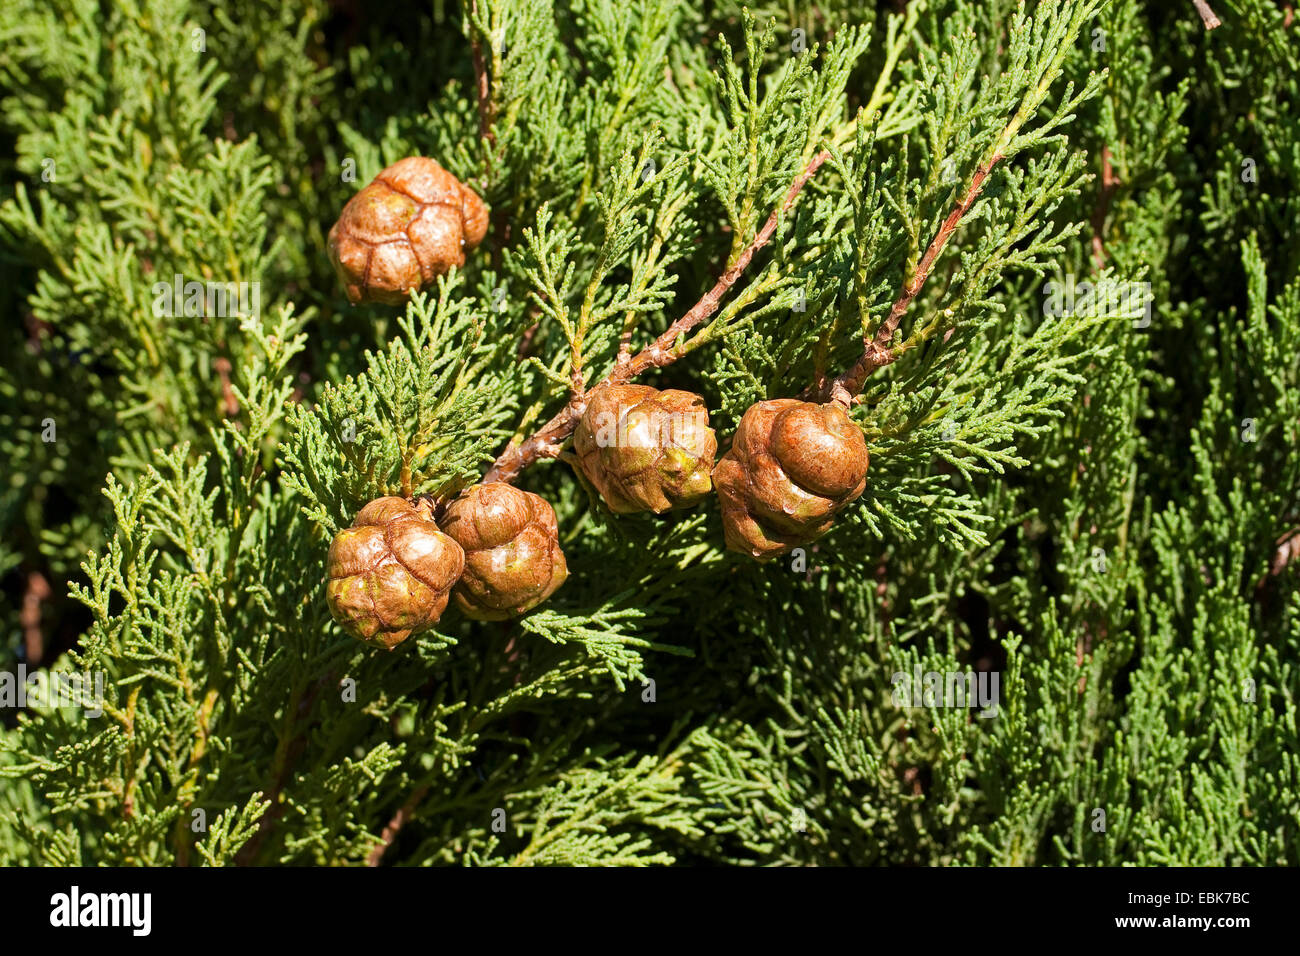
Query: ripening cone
[411, 224]
[791, 467]
[645, 449]
[513, 560]
[391, 573]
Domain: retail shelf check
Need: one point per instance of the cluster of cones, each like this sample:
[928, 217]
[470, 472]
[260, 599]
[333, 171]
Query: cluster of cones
[494, 551]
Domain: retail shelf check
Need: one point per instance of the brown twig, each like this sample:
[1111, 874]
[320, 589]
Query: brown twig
[877, 350]
[1207, 15]
[1082, 650]
[1108, 183]
[487, 116]
[1286, 550]
[484, 91]
[394, 827]
[29, 618]
[525, 348]
[224, 368]
[624, 347]
[665, 350]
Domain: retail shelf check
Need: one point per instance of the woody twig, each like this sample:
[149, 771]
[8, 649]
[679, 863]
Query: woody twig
[666, 349]
[1207, 15]
[878, 350]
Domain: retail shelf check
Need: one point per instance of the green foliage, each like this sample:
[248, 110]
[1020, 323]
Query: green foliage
[1090, 504]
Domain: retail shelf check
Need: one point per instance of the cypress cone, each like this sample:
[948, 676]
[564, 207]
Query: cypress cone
[791, 467]
[390, 574]
[513, 560]
[411, 224]
[644, 449]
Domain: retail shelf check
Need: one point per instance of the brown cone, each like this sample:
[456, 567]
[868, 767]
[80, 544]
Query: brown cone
[646, 450]
[513, 560]
[403, 230]
[791, 467]
[390, 574]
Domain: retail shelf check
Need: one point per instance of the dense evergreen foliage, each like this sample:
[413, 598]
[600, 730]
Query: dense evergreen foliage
[1085, 500]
